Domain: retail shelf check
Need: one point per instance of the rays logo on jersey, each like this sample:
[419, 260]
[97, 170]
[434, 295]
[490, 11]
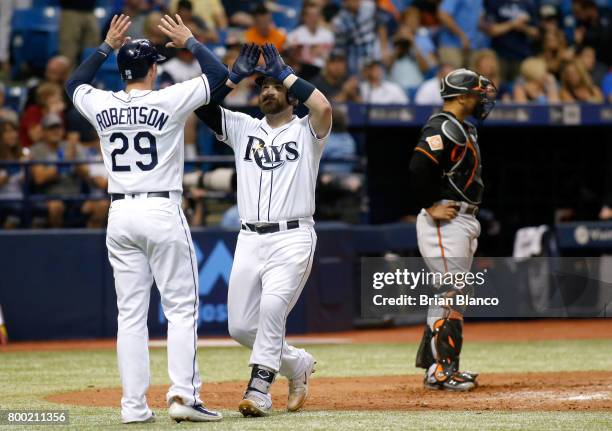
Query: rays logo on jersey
[269, 157]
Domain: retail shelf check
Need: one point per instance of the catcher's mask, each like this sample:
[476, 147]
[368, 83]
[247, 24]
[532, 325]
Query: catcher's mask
[464, 81]
[261, 79]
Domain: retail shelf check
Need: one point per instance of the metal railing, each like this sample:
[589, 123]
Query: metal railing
[31, 197]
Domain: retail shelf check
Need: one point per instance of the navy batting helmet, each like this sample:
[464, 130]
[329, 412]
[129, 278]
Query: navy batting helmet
[136, 57]
[464, 81]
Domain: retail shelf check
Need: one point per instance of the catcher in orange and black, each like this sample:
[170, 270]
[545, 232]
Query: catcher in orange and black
[445, 175]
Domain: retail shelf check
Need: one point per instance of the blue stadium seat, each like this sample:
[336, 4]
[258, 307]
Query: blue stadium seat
[15, 97]
[107, 77]
[34, 36]
[289, 20]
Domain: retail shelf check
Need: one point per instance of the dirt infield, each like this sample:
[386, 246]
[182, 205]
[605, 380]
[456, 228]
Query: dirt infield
[569, 329]
[561, 391]
[512, 391]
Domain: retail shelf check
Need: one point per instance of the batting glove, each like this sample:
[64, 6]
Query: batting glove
[244, 65]
[275, 66]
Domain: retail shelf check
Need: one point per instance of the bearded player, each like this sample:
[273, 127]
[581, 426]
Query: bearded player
[277, 160]
[445, 173]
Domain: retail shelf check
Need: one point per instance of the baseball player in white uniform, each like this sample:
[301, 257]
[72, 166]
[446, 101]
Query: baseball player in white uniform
[277, 161]
[148, 239]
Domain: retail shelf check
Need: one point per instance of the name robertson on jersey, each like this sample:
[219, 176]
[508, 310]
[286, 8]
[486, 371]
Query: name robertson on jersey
[269, 157]
[132, 115]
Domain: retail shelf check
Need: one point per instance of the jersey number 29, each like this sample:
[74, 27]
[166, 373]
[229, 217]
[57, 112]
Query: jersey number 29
[151, 150]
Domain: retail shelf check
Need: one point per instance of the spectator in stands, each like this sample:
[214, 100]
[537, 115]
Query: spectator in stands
[486, 63]
[428, 9]
[459, 34]
[338, 183]
[408, 63]
[157, 38]
[535, 84]
[11, 177]
[182, 68]
[6, 113]
[54, 180]
[184, 8]
[549, 18]
[311, 39]
[577, 85]
[340, 144]
[49, 100]
[359, 33]
[334, 81]
[211, 11]
[263, 30]
[511, 24]
[138, 11]
[429, 92]
[554, 50]
[56, 72]
[96, 208]
[411, 23]
[587, 56]
[593, 28]
[238, 13]
[376, 90]
[78, 28]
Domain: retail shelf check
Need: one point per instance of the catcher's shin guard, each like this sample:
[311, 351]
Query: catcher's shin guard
[424, 356]
[446, 345]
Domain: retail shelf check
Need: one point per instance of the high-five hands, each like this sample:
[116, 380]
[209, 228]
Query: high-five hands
[275, 65]
[116, 32]
[178, 32]
[246, 62]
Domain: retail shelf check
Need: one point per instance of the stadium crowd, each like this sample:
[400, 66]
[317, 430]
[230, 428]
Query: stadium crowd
[360, 51]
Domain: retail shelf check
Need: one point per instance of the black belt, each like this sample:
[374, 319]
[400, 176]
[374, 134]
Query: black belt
[119, 196]
[263, 228]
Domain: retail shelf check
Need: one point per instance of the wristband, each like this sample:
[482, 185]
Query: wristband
[302, 89]
[191, 43]
[105, 48]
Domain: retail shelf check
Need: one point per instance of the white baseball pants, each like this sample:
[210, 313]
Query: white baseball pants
[148, 239]
[268, 275]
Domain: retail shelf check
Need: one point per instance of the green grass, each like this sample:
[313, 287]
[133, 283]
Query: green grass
[26, 377]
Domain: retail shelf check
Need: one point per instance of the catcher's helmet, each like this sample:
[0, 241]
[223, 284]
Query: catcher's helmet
[135, 58]
[464, 81]
[291, 99]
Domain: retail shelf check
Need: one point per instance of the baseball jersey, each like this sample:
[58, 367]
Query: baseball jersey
[459, 163]
[141, 132]
[276, 167]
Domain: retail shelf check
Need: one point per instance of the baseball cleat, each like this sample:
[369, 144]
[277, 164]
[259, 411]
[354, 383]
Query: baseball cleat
[255, 404]
[455, 383]
[298, 387]
[148, 420]
[198, 413]
[468, 375]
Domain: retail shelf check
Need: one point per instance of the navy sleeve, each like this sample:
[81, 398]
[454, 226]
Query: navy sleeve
[85, 73]
[215, 71]
[211, 116]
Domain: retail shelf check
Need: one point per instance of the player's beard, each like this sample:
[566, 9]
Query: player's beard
[272, 105]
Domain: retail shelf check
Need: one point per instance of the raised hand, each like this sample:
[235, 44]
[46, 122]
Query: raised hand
[116, 32]
[275, 65]
[178, 32]
[245, 62]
